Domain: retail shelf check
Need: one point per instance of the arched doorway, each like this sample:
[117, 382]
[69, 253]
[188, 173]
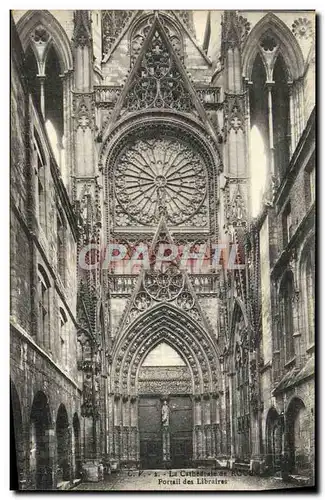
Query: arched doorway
[165, 411]
[17, 434]
[241, 394]
[139, 391]
[40, 425]
[297, 436]
[77, 445]
[274, 431]
[63, 445]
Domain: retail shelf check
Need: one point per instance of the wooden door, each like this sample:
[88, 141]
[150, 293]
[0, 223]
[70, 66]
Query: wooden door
[151, 453]
[181, 429]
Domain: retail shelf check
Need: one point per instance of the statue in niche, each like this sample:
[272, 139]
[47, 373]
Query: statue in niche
[165, 414]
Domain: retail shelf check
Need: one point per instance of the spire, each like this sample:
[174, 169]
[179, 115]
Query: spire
[82, 28]
[231, 32]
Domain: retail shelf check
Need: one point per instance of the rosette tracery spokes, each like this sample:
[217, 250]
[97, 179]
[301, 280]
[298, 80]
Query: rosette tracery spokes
[164, 286]
[158, 175]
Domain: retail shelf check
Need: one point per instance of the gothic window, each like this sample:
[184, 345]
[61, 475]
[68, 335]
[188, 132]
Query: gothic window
[310, 186]
[63, 337]
[44, 307]
[31, 73]
[53, 90]
[280, 114]
[286, 298]
[273, 64]
[286, 224]
[45, 84]
[40, 183]
[258, 169]
[269, 104]
[259, 134]
[308, 293]
[159, 175]
[61, 253]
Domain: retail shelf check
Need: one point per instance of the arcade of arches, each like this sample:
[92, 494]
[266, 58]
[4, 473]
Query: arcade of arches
[135, 343]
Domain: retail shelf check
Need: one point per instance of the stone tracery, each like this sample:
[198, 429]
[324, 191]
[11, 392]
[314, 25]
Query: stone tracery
[142, 29]
[157, 83]
[178, 329]
[156, 175]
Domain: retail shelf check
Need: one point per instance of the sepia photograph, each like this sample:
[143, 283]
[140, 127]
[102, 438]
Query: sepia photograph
[162, 250]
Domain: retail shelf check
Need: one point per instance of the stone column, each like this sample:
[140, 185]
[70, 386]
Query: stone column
[232, 424]
[166, 445]
[198, 428]
[291, 113]
[269, 86]
[125, 428]
[85, 180]
[223, 411]
[41, 79]
[207, 426]
[235, 175]
[134, 443]
[217, 401]
[165, 419]
[51, 440]
[67, 84]
[117, 427]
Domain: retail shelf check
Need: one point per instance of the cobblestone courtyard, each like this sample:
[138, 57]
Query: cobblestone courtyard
[178, 480]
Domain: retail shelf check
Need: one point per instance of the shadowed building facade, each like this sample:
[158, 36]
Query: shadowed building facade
[126, 130]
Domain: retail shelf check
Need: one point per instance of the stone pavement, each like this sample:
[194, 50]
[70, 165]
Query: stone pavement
[183, 479]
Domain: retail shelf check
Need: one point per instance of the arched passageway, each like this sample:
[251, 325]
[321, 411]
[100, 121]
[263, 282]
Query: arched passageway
[297, 437]
[63, 444]
[17, 431]
[40, 426]
[77, 446]
[274, 432]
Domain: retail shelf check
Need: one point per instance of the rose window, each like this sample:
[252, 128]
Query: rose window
[158, 176]
[164, 285]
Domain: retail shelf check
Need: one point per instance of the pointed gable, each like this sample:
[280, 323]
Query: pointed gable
[163, 282]
[157, 81]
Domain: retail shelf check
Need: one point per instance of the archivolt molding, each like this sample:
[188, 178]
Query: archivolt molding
[35, 18]
[307, 243]
[288, 46]
[124, 127]
[165, 322]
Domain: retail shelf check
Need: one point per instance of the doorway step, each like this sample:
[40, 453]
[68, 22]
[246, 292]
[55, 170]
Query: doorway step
[300, 480]
[244, 466]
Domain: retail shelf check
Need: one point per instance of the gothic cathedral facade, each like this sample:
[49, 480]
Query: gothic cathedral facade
[128, 135]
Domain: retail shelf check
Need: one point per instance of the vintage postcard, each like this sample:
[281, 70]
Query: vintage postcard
[162, 265]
